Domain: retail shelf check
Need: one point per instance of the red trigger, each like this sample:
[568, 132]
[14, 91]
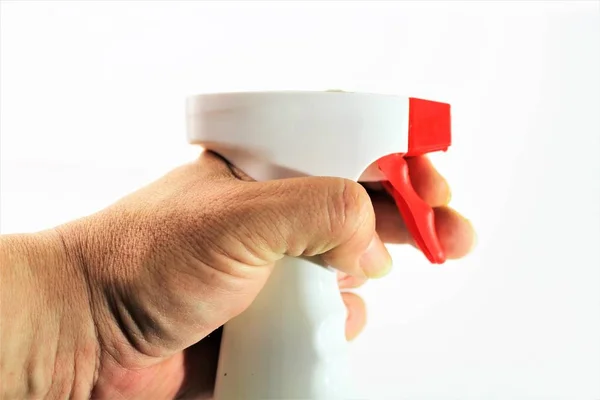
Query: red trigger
[417, 214]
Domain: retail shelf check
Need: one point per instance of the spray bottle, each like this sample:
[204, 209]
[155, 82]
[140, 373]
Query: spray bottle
[290, 343]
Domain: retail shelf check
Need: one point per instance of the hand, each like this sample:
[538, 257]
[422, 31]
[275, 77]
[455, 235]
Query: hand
[153, 277]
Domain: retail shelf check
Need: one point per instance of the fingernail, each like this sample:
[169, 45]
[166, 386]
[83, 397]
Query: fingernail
[448, 195]
[475, 237]
[376, 262]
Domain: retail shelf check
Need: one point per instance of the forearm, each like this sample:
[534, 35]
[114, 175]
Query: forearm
[48, 346]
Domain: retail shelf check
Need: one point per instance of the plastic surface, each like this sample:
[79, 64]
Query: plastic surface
[300, 133]
[429, 127]
[290, 343]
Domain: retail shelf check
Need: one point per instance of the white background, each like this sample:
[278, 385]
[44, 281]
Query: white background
[92, 106]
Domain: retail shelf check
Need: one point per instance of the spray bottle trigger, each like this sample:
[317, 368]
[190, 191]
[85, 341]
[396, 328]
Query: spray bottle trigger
[417, 214]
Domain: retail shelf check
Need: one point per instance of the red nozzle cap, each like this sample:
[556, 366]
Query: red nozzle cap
[428, 127]
[428, 131]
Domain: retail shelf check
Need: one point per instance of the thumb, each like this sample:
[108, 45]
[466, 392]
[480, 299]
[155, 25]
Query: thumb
[331, 217]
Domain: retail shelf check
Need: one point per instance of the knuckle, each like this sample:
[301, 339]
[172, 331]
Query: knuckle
[347, 207]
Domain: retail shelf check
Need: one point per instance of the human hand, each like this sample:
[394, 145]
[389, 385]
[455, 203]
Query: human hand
[165, 267]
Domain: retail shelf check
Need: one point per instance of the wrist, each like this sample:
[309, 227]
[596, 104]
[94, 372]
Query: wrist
[49, 346]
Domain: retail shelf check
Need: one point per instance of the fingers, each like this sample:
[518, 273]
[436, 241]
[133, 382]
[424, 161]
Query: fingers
[357, 315]
[355, 306]
[356, 318]
[455, 232]
[346, 281]
[336, 219]
[389, 223]
[331, 217]
[429, 184]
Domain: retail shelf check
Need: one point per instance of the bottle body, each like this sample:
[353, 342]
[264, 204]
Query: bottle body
[290, 343]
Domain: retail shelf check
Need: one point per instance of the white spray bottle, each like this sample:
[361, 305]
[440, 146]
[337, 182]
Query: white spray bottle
[290, 343]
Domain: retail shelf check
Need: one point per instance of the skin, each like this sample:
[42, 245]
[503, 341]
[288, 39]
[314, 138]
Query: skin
[128, 303]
